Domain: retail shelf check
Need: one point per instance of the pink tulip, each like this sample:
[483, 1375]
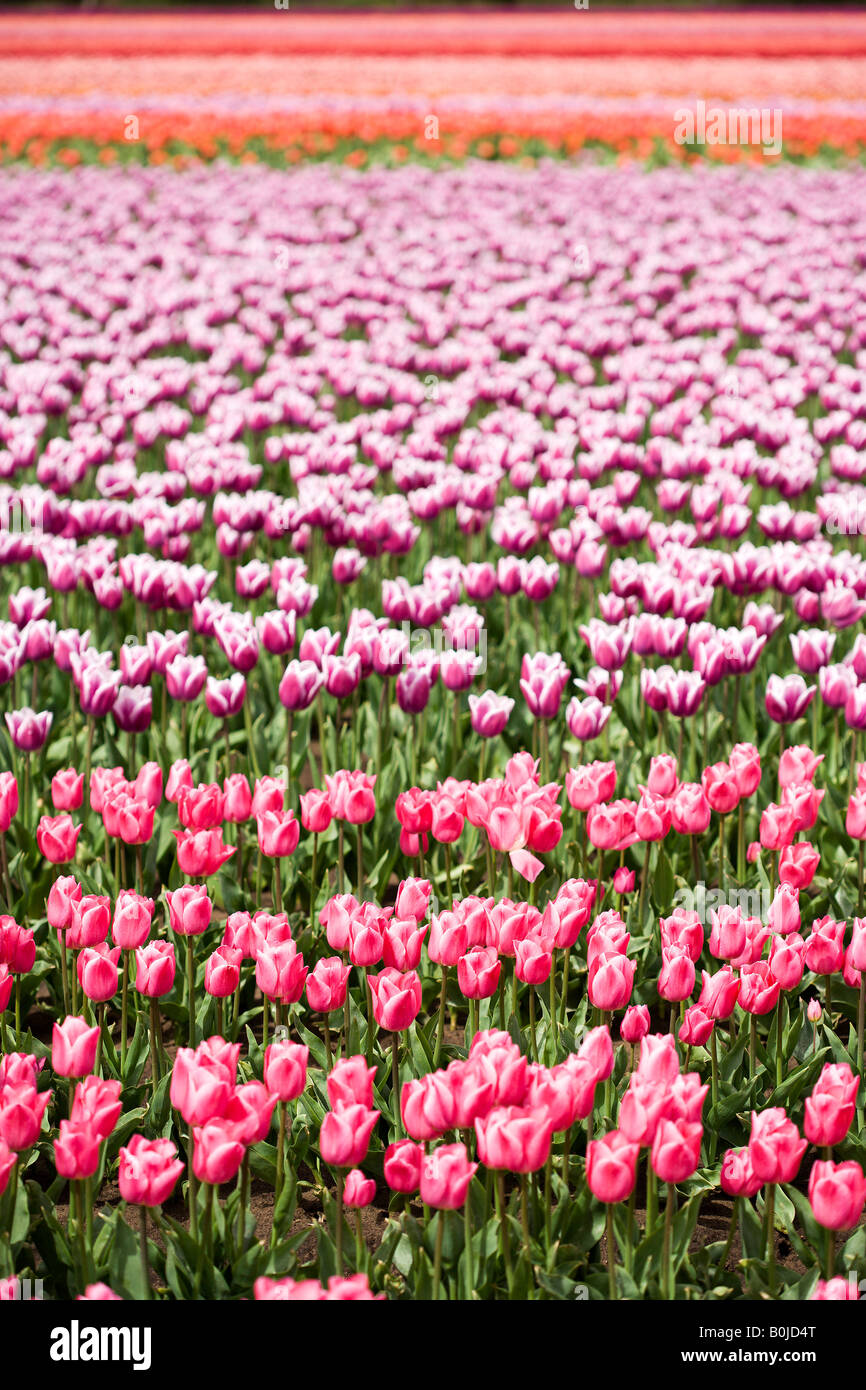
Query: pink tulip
[345, 1135]
[611, 1165]
[73, 1049]
[148, 1171]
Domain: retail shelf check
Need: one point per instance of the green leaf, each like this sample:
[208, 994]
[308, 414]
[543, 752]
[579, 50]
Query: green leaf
[124, 1266]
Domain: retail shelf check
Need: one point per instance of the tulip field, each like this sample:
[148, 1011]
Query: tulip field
[433, 782]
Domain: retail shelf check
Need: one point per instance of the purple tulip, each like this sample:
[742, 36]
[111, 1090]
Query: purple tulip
[301, 683]
[225, 698]
[29, 730]
[133, 708]
[787, 697]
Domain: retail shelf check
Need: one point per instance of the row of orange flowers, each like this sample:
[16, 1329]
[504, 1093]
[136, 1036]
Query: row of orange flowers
[99, 135]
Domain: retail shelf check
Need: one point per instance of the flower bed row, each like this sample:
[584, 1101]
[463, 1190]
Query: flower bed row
[434, 687]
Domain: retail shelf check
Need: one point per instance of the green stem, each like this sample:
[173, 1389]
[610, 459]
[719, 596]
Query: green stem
[467, 1245]
[732, 1226]
[190, 980]
[629, 1234]
[281, 1151]
[64, 970]
[206, 1242]
[97, 1065]
[563, 1003]
[154, 1046]
[440, 1027]
[87, 762]
[667, 1264]
[314, 883]
[437, 1258]
[714, 1096]
[79, 1224]
[611, 1254]
[193, 1189]
[643, 883]
[124, 1007]
[533, 1041]
[339, 1233]
[503, 1226]
[651, 1196]
[395, 1082]
[289, 722]
[145, 1266]
[770, 1209]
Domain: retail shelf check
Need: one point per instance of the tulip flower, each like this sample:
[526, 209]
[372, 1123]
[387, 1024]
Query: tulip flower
[201, 853]
[29, 730]
[358, 1191]
[837, 1193]
[345, 1134]
[148, 1171]
[403, 1163]
[217, 1152]
[351, 1083]
[514, 1139]
[76, 1151]
[446, 1173]
[57, 838]
[73, 1048]
[286, 1070]
[22, 1109]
